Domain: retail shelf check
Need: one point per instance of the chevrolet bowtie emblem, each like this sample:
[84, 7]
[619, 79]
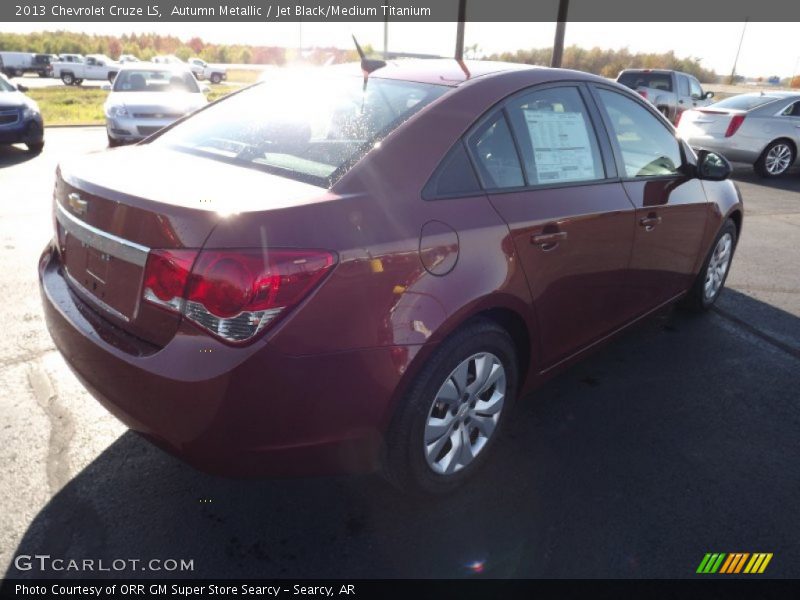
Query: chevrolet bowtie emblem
[77, 204]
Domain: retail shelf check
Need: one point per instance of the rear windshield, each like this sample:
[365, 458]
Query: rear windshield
[155, 80]
[310, 127]
[744, 102]
[658, 81]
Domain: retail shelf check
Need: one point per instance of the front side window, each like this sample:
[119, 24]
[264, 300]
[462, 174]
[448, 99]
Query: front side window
[304, 126]
[648, 148]
[556, 137]
[495, 155]
[696, 90]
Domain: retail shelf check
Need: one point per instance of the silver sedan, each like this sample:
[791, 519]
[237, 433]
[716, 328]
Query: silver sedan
[762, 129]
[146, 97]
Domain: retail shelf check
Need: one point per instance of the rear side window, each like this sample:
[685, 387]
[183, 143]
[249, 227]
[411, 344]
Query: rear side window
[683, 85]
[453, 177]
[556, 137]
[648, 148]
[495, 155]
[637, 79]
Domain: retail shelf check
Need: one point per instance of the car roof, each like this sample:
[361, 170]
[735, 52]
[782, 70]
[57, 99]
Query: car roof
[150, 66]
[440, 71]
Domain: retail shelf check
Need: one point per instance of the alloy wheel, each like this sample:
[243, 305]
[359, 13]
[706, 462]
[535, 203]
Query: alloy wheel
[718, 266]
[778, 159]
[465, 413]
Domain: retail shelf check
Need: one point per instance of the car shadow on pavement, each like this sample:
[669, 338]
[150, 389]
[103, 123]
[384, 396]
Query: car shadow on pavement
[679, 438]
[13, 155]
[789, 182]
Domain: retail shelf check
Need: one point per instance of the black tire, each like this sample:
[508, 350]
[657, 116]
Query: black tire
[404, 461]
[67, 78]
[761, 164]
[112, 77]
[112, 143]
[35, 147]
[696, 300]
[78, 81]
[215, 78]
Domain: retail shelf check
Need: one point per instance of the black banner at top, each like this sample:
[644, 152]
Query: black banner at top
[396, 10]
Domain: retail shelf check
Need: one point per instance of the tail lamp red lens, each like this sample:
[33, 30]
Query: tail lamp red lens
[233, 294]
[733, 126]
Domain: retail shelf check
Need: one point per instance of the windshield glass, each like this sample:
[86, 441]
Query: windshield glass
[155, 80]
[744, 102]
[6, 86]
[657, 81]
[310, 127]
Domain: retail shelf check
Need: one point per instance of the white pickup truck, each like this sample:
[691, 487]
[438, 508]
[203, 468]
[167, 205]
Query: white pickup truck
[95, 67]
[671, 92]
[203, 70]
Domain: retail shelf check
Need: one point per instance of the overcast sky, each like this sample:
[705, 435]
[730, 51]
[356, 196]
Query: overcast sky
[768, 49]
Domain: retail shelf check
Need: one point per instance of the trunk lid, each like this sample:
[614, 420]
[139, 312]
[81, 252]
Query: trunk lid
[711, 122]
[111, 208]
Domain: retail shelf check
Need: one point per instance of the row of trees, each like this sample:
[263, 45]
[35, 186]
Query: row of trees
[609, 63]
[147, 45]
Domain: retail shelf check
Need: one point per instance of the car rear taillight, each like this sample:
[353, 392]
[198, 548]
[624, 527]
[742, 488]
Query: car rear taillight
[733, 126]
[233, 294]
[643, 93]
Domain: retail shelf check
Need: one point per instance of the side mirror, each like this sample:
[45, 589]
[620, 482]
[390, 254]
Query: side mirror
[22, 88]
[708, 95]
[712, 166]
[106, 87]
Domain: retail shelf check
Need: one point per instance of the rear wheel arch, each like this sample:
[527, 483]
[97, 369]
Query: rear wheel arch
[518, 330]
[736, 216]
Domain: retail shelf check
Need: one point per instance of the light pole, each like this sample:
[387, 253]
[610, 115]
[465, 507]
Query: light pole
[462, 16]
[561, 26]
[736, 60]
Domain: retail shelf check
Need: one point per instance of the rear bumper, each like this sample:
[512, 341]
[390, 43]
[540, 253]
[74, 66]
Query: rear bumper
[248, 411]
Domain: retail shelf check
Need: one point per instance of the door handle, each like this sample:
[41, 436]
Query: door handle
[649, 222]
[548, 241]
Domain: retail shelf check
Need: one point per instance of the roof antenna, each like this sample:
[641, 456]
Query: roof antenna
[368, 65]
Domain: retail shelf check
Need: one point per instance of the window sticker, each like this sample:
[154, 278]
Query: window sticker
[561, 146]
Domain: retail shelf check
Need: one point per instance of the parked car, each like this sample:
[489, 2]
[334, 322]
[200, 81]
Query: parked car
[671, 92]
[95, 67]
[203, 70]
[127, 58]
[40, 64]
[348, 273]
[20, 118]
[16, 64]
[762, 129]
[146, 97]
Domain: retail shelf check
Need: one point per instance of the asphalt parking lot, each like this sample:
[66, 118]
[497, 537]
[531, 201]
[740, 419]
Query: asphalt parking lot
[679, 438]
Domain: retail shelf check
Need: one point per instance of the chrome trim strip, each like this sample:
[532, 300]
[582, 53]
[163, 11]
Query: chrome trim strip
[89, 297]
[103, 241]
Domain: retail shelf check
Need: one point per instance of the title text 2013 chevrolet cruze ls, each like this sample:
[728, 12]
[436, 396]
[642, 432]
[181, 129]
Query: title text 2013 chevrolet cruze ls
[372, 268]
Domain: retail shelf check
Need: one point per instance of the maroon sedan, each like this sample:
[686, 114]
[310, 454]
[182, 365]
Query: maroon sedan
[342, 272]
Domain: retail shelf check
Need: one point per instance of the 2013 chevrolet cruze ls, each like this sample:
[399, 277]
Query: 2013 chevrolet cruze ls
[347, 271]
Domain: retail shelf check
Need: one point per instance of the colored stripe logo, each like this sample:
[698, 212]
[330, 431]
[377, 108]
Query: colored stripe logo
[736, 562]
